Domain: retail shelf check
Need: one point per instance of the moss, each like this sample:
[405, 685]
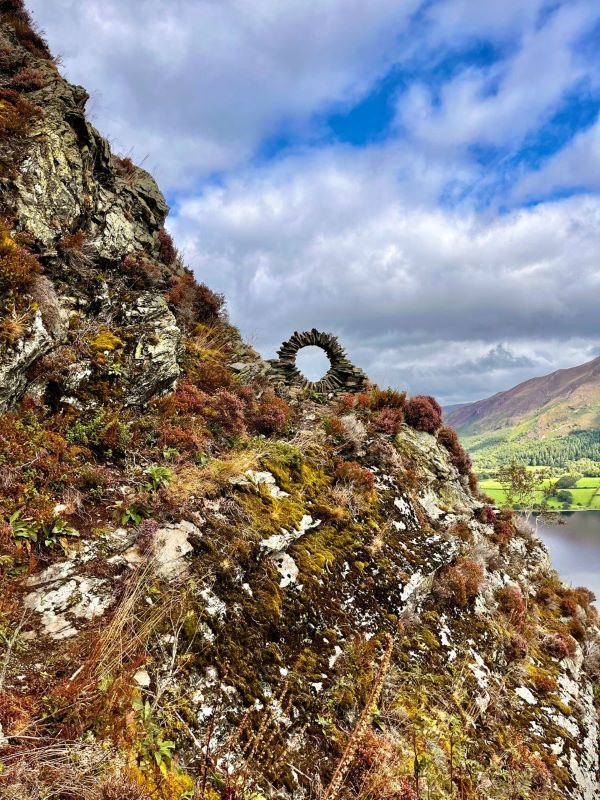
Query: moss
[106, 341]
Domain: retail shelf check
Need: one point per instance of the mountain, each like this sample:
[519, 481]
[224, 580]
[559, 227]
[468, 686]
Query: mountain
[219, 584]
[552, 421]
[565, 400]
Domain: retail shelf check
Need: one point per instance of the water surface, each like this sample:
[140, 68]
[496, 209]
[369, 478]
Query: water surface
[575, 547]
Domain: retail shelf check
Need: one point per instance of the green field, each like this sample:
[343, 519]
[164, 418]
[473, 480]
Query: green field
[586, 494]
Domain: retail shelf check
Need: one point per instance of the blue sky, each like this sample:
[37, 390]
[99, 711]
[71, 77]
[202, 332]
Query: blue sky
[422, 178]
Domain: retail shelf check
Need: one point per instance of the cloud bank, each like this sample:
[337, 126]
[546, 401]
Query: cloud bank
[421, 178]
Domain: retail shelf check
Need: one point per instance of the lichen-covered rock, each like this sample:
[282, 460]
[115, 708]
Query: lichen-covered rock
[153, 365]
[15, 360]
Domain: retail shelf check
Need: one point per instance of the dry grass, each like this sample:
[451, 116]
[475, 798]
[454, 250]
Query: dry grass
[58, 770]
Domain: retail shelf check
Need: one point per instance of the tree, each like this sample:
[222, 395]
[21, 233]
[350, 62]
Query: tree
[567, 481]
[522, 488]
[565, 497]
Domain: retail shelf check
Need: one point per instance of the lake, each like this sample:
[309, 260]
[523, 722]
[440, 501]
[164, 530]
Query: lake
[575, 548]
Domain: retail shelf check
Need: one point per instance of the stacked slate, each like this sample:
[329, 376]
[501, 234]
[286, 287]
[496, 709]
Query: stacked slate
[342, 376]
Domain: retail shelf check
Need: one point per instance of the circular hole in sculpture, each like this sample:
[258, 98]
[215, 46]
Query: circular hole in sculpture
[312, 362]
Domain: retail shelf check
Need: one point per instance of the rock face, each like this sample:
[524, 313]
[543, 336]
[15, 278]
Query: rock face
[213, 585]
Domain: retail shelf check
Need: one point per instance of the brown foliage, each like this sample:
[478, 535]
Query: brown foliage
[166, 249]
[125, 167]
[211, 375]
[18, 267]
[459, 458]
[14, 13]
[194, 302]
[272, 414]
[386, 398]
[459, 583]
[142, 272]
[388, 420]
[503, 531]
[486, 515]
[122, 788]
[424, 413]
[27, 79]
[560, 646]
[512, 603]
[16, 117]
[355, 474]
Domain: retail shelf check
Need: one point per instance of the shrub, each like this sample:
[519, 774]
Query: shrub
[560, 646]
[542, 680]
[186, 400]
[77, 251]
[517, 648]
[125, 167]
[386, 398]
[272, 415]
[568, 605]
[424, 413]
[226, 412]
[577, 629]
[355, 474]
[166, 249]
[388, 420]
[503, 531]
[459, 458]
[18, 268]
[15, 713]
[512, 603]
[16, 117]
[459, 583]
[194, 302]
[567, 481]
[12, 327]
[348, 433]
[486, 515]
[15, 14]
[211, 375]
[142, 272]
[27, 79]
[122, 788]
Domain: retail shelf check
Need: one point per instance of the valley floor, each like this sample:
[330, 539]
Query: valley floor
[586, 494]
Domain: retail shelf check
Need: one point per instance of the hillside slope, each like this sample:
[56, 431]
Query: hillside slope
[217, 587]
[552, 421]
[565, 400]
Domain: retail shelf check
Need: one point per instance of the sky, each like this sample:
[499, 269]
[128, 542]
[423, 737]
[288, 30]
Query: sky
[421, 178]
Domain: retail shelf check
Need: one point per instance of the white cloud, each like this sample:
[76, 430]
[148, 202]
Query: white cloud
[500, 103]
[576, 166]
[198, 84]
[335, 242]
[362, 241]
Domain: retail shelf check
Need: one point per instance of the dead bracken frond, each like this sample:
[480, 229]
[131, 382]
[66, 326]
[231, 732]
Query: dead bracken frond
[361, 726]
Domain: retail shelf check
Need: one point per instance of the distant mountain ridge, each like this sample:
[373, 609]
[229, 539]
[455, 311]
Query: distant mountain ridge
[552, 398]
